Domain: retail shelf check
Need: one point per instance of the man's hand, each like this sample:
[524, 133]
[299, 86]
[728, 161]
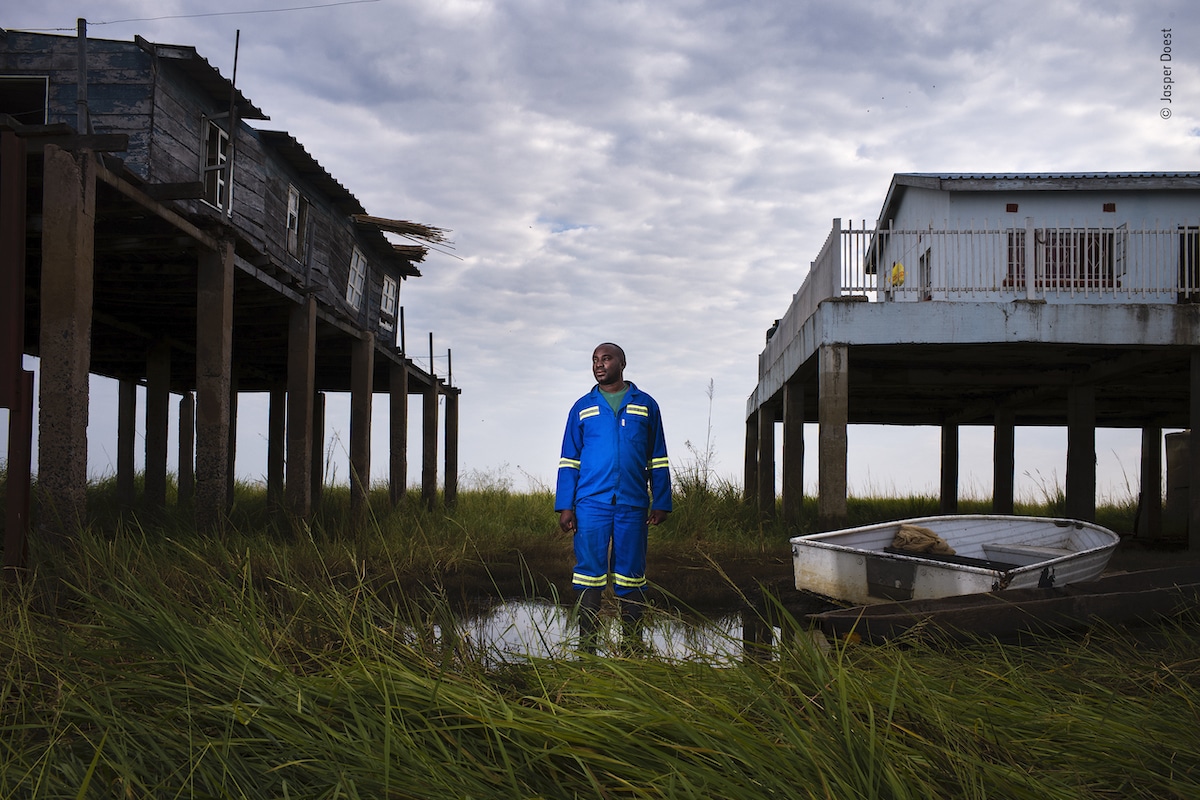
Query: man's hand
[566, 520]
[657, 516]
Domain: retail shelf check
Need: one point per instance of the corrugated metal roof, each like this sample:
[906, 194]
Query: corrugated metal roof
[994, 176]
[1035, 182]
[208, 77]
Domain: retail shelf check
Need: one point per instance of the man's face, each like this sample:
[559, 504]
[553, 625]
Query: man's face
[607, 365]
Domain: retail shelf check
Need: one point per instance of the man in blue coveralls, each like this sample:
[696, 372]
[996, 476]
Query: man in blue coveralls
[613, 481]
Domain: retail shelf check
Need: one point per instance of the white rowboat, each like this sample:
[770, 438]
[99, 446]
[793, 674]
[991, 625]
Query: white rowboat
[991, 553]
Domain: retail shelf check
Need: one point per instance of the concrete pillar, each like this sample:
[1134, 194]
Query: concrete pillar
[214, 367]
[1194, 453]
[429, 424]
[316, 474]
[1004, 444]
[1150, 506]
[301, 388]
[187, 459]
[750, 461]
[126, 443]
[231, 457]
[1081, 453]
[766, 461]
[949, 493]
[451, 460]
[276, 444]
[793, 452]
[833, 392]
[158, 403]
[16, 383]
[68, 231]
[398, 432]
[13, 188]
[20, 457]
[362, 374]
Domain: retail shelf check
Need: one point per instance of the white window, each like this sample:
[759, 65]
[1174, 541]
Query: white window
[297, 223]
[925, 269]
[387, 303]
[216, 157]
[358, 279]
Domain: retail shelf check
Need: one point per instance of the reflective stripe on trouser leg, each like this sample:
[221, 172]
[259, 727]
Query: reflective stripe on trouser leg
[599, 526]
[629, 551]
[593, 532]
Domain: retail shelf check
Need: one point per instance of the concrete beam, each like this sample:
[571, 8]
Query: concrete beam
[1150, 486]
[429, 425]
[833, 393]
[1003, 462]
[187, 451]
[126, 444]
[301, 389]
[793, 452]
[750, 459]
[451, 458]
[68, 252]
[316, 473]
[276, 444]
[398, 432]
[766, 462]
[13, 189]
[20, 457]
[1081, 452]
[158, 403]
[1194, 453]
[214, 369]
[949, 469]
[362, 374]
[231, 456]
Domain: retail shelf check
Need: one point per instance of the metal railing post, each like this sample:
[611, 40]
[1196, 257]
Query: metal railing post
[1030, 259]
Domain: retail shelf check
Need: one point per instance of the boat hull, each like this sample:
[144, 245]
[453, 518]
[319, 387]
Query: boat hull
[1130, 597]
[993, 553]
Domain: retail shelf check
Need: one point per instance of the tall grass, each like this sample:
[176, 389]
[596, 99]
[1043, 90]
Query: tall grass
[321, 662]
[229, 687]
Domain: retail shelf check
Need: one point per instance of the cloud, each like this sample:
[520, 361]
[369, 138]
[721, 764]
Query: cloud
[662, 173]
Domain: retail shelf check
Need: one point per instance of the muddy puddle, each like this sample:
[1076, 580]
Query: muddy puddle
[518, 630]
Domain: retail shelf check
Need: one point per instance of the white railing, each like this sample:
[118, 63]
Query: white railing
[1084, 264]
[1158, 264]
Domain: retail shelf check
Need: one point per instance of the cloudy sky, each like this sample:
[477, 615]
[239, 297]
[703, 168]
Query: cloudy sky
[661, 174]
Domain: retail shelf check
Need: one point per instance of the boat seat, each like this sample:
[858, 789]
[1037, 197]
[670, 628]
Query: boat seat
[1027, 553]
[945, 558]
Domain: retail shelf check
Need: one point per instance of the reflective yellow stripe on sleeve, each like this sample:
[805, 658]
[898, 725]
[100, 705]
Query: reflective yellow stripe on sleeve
[569, 463]
[660, 463]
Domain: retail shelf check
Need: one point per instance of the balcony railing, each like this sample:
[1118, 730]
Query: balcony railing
[1071, 264]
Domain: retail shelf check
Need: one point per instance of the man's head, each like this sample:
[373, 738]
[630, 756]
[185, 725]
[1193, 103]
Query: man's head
[608, 366]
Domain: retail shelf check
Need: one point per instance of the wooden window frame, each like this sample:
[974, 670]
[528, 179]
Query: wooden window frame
[297, 224]
[356, 284]
[388, 302]
[214, 166]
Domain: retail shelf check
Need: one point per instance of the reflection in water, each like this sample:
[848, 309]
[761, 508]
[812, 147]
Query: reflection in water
[515, 630]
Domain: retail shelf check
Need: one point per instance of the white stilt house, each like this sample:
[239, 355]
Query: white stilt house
[1000, 300]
